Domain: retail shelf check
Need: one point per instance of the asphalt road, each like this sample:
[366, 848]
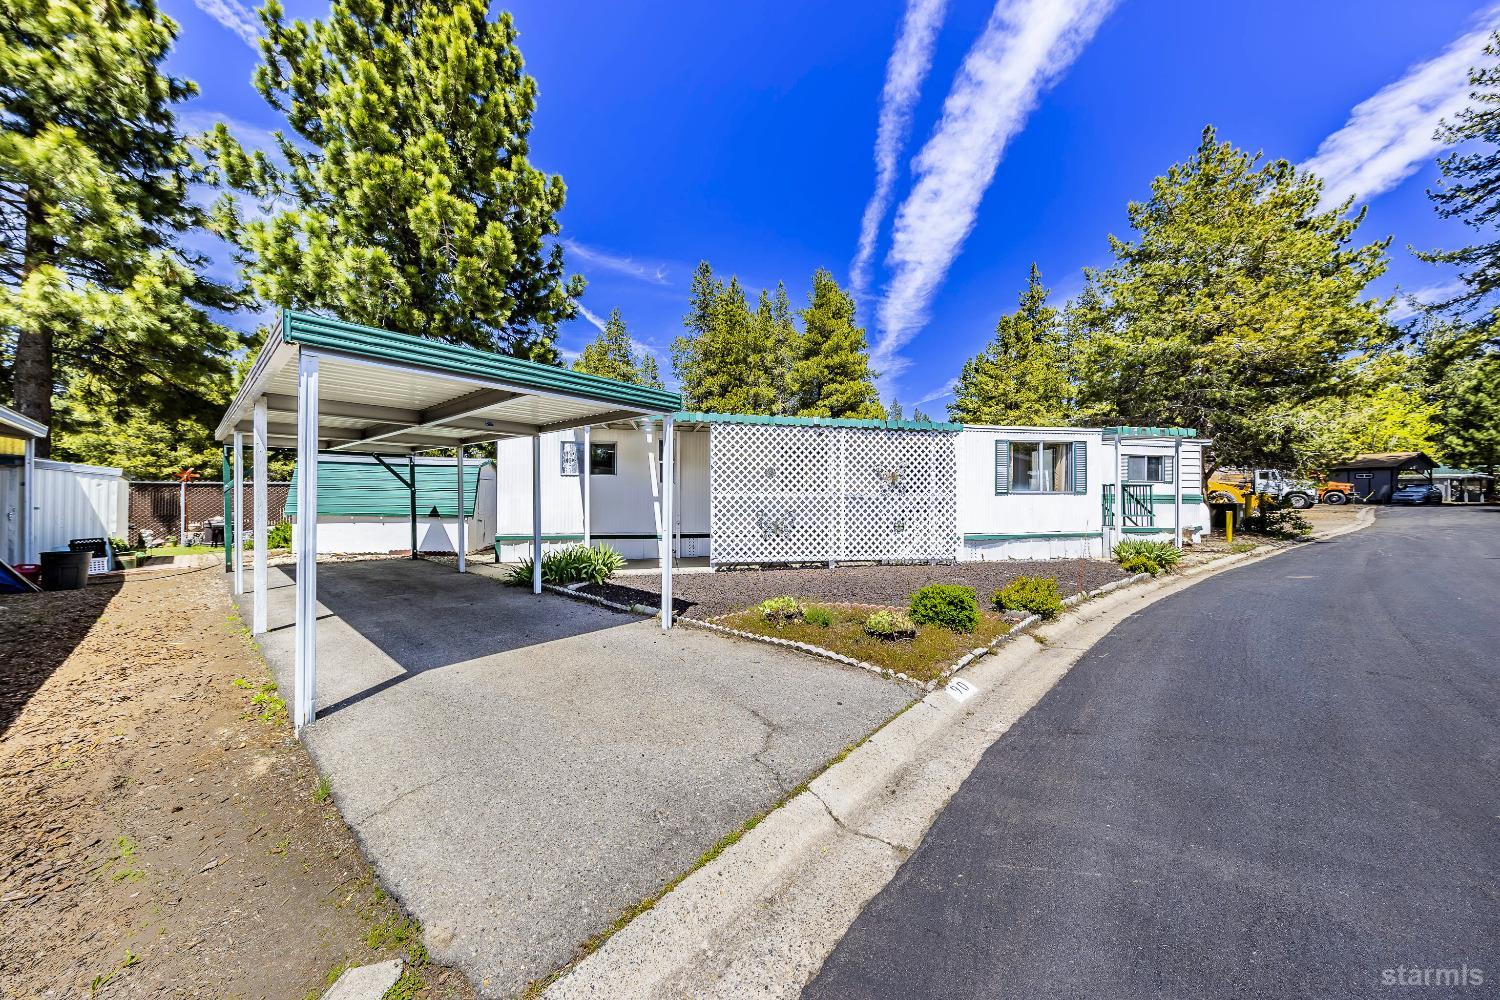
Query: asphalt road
[1284, 781]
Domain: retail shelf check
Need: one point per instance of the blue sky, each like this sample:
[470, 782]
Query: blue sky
[749, 135]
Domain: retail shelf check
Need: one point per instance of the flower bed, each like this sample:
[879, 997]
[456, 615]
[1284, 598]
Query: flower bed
[923, 658]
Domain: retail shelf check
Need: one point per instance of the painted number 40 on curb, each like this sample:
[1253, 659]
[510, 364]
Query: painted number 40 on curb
[961, 690]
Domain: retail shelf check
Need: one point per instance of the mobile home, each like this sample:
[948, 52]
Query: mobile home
[763, 490]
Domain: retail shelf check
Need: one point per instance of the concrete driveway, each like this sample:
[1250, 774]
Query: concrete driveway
[522, 769]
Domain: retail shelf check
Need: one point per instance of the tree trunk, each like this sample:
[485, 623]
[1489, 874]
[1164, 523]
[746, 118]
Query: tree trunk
[34, 364]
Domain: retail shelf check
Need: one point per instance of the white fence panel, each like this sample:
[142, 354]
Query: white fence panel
[782, 493]
[78, 501]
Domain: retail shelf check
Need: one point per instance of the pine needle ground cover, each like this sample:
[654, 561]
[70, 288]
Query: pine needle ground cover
[923, 658]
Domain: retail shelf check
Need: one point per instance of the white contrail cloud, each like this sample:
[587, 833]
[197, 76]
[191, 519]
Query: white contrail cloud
[942, 392]
[1388, 137]
[1026, 46]
[236, 17]
[591, 316]
[628, 266]
[910, 61]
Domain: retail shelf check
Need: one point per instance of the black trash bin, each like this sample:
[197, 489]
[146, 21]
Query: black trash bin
[65, 570]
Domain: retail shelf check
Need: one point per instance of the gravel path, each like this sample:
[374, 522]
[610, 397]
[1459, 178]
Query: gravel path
[705, 595]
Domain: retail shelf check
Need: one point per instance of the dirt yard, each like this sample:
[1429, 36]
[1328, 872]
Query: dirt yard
[164, 835]
[706, 595]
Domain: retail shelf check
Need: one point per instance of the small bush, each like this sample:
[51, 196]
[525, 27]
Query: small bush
[1035, 594]
[948, 605]
[1280, 521]
[1147, 557]
[570, 565]
[890, 625]
[821, 617]
[781, 609]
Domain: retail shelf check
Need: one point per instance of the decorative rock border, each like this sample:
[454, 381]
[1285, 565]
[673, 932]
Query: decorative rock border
[1019, 628]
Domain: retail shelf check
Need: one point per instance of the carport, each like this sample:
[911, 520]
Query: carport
[325, 385]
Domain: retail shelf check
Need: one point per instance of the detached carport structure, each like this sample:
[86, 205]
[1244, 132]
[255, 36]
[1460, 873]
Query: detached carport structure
[321, 384]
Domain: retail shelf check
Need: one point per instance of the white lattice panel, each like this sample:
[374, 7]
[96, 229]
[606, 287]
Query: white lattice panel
[813, 494]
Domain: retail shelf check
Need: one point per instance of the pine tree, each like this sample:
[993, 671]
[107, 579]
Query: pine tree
[723, 362]
[1471, 186]
[101, 303]
[830, 374]
[613, 355]
[1241, 301]
[1021, 378]
[410, 201]
[893, 410]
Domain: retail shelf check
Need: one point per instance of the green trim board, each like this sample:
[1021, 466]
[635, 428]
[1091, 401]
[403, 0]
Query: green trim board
[1150, 432]
[1031, 536]
[385, 345]
[1170, 498]
[690, 417]
[367, 489]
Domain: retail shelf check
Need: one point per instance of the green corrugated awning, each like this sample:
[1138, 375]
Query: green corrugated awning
[367, 489]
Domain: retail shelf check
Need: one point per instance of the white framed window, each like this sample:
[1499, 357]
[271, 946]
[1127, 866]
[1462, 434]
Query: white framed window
[1041, 466]
[1148, 469]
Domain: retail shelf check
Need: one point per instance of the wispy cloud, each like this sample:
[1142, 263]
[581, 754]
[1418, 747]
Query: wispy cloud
[591, 316]
[236, 17]
[1409, 304]
[628, 266]
[1388, 137]
[252, 137]
[942, 392]
[1024, 48]
[911, 58]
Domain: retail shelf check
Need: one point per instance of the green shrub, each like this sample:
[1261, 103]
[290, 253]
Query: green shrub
[781, 609]
[1147, 557]
[821, 617]
[278, 536]
[1280, 521]
[949, 605]
[570, 565]
[1035, 594]
[890, 625]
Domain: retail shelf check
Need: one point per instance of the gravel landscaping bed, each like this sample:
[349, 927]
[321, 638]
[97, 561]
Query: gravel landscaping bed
[706, 595]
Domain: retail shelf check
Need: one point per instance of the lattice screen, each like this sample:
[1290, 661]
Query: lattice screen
[812, 494]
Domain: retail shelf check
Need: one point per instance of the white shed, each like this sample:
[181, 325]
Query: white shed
[46, 504]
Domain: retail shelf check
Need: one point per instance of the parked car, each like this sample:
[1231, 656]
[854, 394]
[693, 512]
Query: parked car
[1417, 493]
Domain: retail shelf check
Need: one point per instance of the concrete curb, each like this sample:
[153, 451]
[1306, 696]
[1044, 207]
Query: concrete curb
[761, 918]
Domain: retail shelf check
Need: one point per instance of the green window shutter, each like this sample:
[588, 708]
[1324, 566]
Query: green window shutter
[1080, 466]
[1002, 467]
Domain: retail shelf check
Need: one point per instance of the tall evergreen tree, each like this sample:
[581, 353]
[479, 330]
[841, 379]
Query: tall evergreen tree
[100, 301]
[723, 363]
[613, 355]
[404, 197]
[830, 374]
[1240, 301]
[1470, 191]
[1021, 378]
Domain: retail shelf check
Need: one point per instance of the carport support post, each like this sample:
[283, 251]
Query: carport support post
[237, 509]
[305, 676]
[411, 482]
[258, 514]
[666, 519]
[536, 513]
[588, 486]
[1177, 493]
[462, 542]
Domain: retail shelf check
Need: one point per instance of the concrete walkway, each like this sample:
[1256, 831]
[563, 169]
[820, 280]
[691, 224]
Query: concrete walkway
[522, 769]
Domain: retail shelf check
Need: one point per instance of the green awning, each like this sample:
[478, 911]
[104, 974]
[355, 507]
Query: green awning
[367, 489]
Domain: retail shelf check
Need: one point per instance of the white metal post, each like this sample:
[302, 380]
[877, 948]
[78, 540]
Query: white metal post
[588, 486]
[1177, 495]
[306, 674]
[1119, 532]
[182, 512]
[463, 539]
[667, 436]
[237, 512]
[258, 514]
[29, 553]
[536, 513]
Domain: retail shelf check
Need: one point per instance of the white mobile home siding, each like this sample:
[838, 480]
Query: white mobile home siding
[1013, 525]
[69, 500]
[623, 514]
[1195, 513]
